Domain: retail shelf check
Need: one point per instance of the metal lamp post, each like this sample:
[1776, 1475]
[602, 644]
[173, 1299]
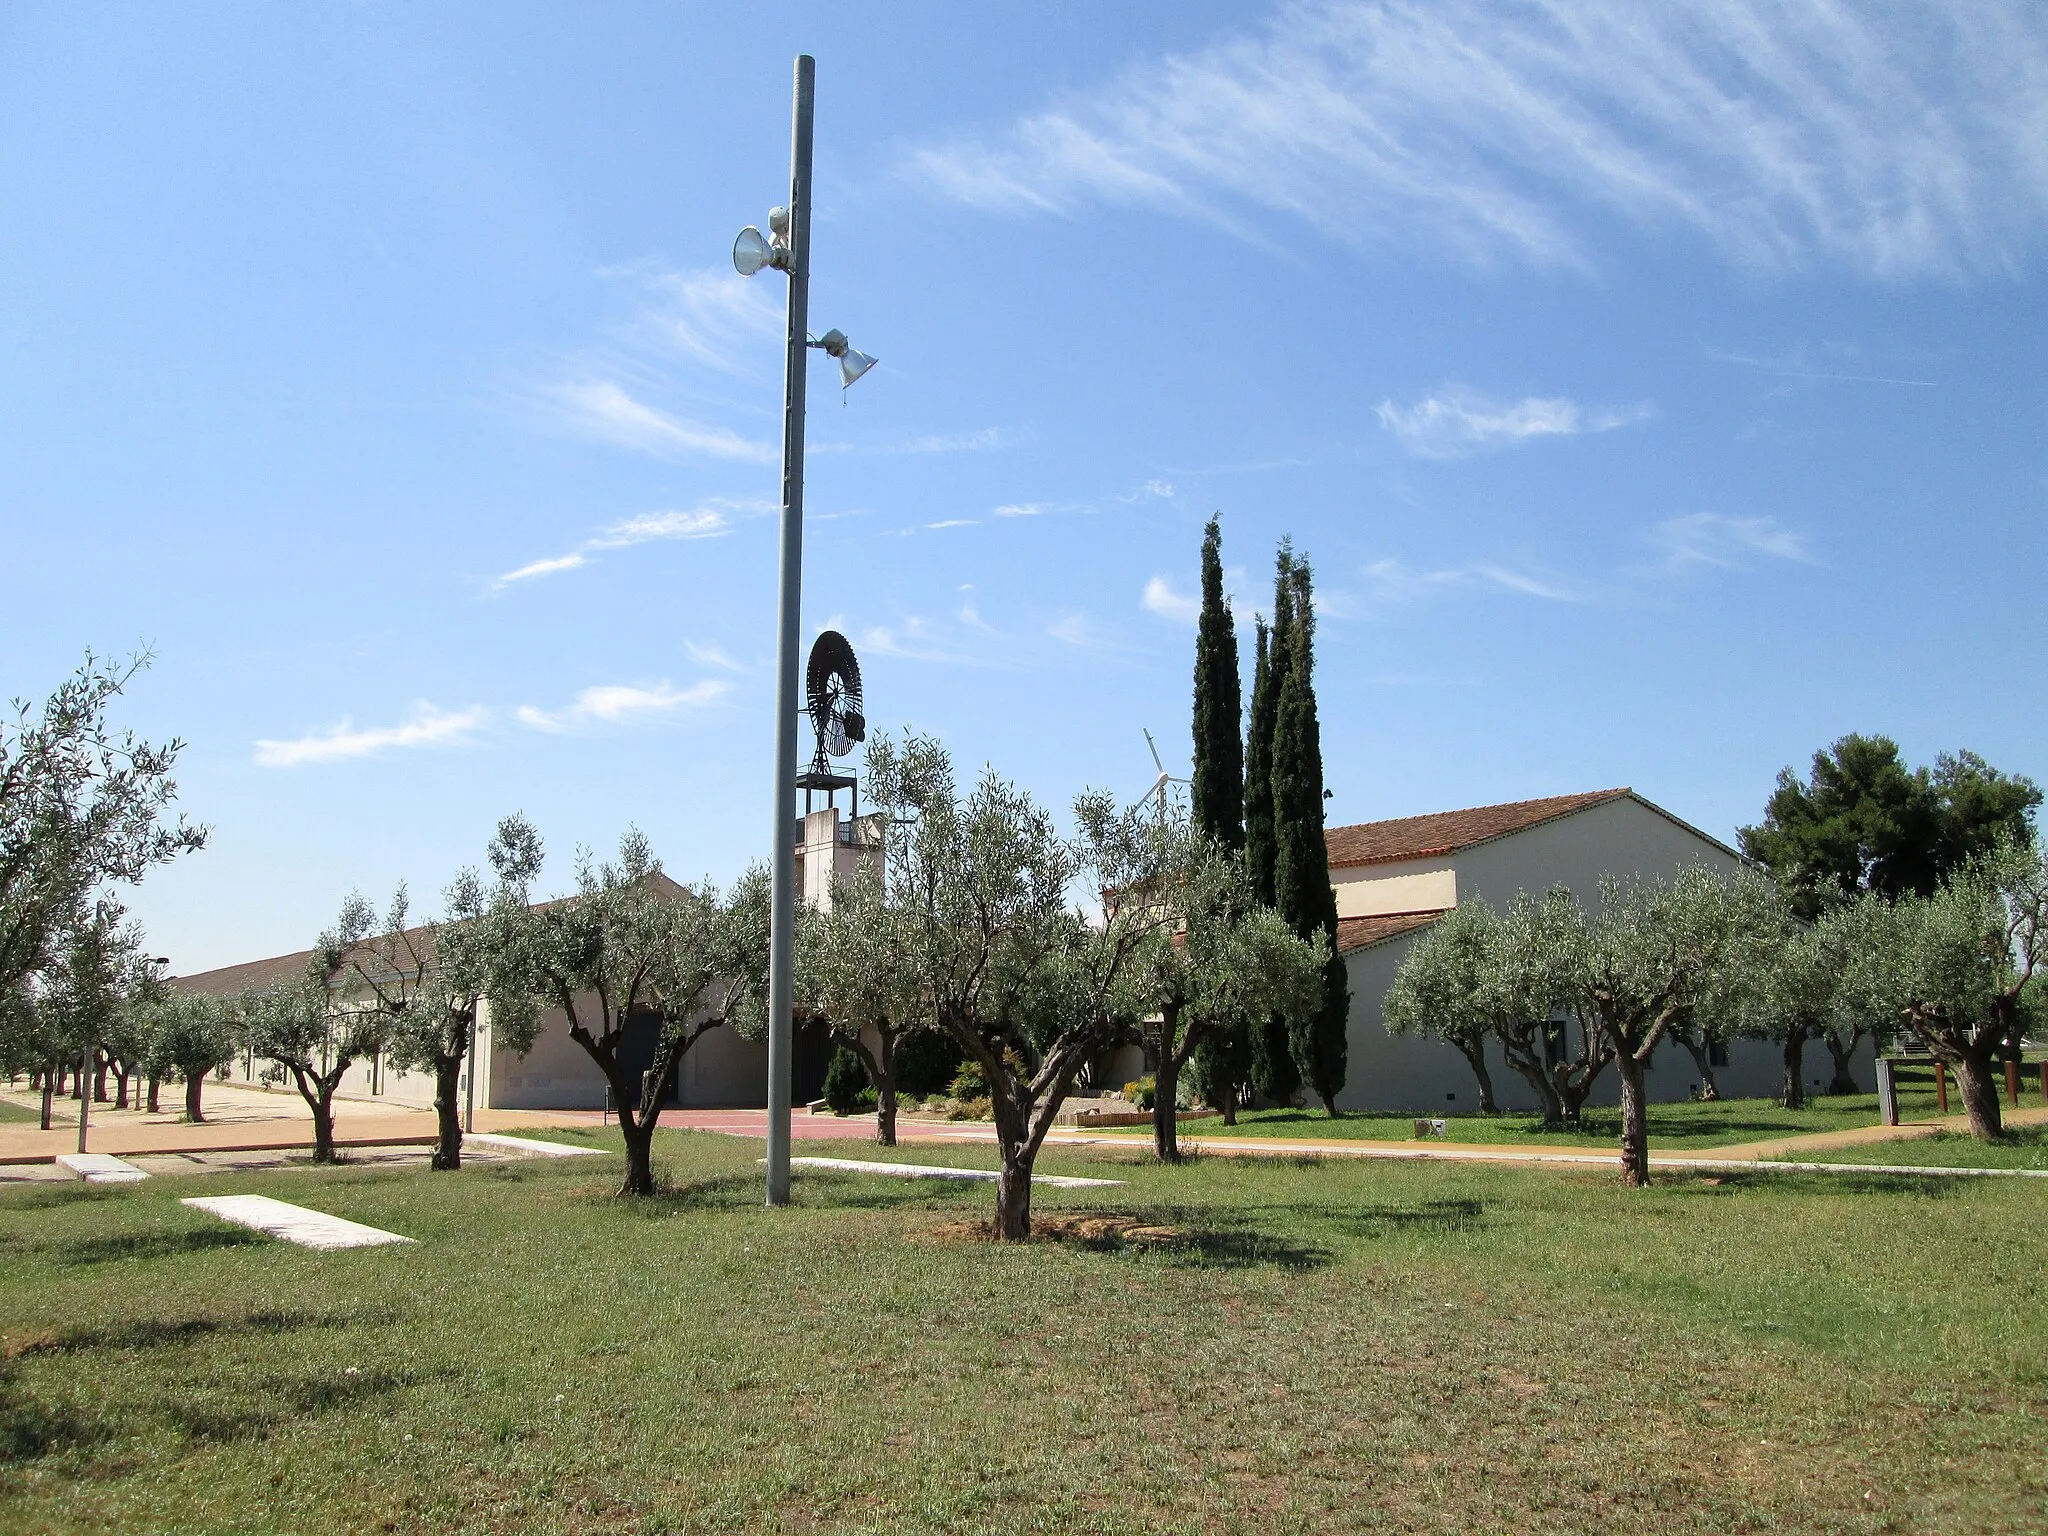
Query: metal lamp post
[787, 247]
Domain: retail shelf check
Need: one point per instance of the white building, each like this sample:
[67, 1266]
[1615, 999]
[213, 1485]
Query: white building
[722, 1070]
[1395, 878]
[1392, 879]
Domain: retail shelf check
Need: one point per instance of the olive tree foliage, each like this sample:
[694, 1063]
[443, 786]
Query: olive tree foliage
[1028, 983]
[81, 804]
[66, 1005]
[1452, 985]
[311, 1028]
[1956, 969]
[632, 950]
[189, 1036]
[1658, 952]
[852, 974]
[1791, 994]
[430, 982]
[1477, 973]
[1220, 964]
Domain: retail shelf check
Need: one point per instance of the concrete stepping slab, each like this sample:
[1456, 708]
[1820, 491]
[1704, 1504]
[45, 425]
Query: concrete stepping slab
[927, 1171]
[293, 1223]
[529, 1144]
[99, 1168]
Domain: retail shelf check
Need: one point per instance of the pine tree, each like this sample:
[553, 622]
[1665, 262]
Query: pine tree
[1301, 858]
[1274, 1076]
[1219, 707]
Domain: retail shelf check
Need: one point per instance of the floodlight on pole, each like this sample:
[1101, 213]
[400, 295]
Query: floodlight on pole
[787, 248]
[852, 364]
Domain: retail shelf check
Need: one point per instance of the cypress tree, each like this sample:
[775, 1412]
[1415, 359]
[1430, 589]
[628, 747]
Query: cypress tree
[1301, 859]
[1219, 706]
[1274, 1075]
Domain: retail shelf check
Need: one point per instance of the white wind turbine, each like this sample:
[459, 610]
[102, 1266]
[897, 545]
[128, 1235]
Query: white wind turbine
[1159, 784]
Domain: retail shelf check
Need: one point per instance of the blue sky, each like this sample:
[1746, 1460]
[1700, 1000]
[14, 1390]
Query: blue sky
[1657, 392]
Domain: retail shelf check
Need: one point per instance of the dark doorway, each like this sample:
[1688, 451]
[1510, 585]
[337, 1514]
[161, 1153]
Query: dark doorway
[813, 1054]
[636, 1055]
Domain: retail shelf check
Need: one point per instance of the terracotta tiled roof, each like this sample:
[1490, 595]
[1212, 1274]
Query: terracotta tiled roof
[249, 976]
[1419, 837]
[1358, 932]
[257, 975]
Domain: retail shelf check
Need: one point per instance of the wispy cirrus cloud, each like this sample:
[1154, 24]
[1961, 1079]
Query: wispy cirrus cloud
[1151, 490]
[1714, 539]
[1458, 421]
[1160, 598]
[713, 656]
[1394, 583]
[425, 726]
[715, 317]
[1898, 141]
[707, 521]
[1020, 509]
[621, 703]
[603, 409]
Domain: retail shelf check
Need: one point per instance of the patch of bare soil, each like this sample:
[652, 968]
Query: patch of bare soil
[1095, 1231]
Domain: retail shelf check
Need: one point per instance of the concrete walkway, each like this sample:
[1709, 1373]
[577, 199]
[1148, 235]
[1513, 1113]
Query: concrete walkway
[248, 1120]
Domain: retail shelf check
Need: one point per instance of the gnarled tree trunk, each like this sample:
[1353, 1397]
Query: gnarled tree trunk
[1635, 1124]
[49, 1083]
[1474, 1052]
[194, 1081]
[1979, 1083]
[1166, 1089]
[447, 1111]
[1844, 1080]
[1793, 1090]
[1702, 1053]
[155, 1082]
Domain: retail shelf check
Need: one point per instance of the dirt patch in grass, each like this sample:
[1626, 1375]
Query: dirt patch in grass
[1088, 1231]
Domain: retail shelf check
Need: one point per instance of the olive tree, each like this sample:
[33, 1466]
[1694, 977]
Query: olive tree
[1476, 973]
[1956, 969]
[81, 805]
[190, 1037]
[1219, 965]
[430, 983]
[1655, 955]
[310, 1029]
[633, 950]
[852, 975]
[1030, 985]
[1451, 985]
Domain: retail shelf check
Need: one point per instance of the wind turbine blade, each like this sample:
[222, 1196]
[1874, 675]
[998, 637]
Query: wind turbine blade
[1155, 753]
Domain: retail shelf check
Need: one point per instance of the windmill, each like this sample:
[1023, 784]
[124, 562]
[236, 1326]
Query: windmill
[832, 699]
[1159, 784]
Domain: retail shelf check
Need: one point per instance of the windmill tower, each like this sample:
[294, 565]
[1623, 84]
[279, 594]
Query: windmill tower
[829, 846]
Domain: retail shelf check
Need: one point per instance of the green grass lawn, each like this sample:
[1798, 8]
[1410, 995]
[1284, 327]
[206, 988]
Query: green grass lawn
[1322, 1346]
[2022, 1146]
[1724, 1122]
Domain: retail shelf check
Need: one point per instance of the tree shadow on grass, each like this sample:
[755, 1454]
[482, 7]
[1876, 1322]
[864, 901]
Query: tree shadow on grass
[1891, 1185]
[162, 1333]
[1370, 1221]
[50, 1197]
[31, 1431]
[151, 1245]
[36, 1431]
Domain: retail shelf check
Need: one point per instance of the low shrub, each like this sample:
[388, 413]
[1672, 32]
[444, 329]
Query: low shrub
[968, 1082]
[847, 1089]
[1143, 1093]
